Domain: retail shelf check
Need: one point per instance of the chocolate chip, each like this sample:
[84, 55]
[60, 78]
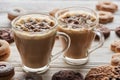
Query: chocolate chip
[35, 25]
[69, 20]
[78, 19]
[76, 22]
[51, 24]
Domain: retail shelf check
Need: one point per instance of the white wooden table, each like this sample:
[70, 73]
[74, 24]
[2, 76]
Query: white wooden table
[102, 56]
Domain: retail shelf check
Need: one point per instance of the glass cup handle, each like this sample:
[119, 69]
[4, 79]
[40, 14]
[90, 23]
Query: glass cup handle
[100, 43]
[68, 41]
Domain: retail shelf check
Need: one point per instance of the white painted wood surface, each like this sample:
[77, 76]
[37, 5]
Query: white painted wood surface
[101, 56]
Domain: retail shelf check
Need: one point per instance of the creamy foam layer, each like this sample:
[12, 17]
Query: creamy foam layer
[42, 24]
[77, 20]
[34, 23]
[33, 17]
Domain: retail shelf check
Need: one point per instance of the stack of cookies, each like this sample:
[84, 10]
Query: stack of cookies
[106, 10]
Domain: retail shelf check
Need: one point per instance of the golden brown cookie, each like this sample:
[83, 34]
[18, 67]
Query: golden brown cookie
[4, 50]
[15, 12]
[104, 73]
[67, 75]
[107, 6]
[115, 46]
[105, 17]
[115, 61]
[104, 30]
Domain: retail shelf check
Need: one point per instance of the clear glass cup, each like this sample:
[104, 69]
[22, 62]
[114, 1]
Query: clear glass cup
[80, 24]
[35, 48]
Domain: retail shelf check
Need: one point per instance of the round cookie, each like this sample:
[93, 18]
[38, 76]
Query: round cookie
[4, 50]
[6, 71]
[104, 73]
[117, 31]
[115, 61]
[104, 30]
[67, 75]
[105, 17]
[15, 12]
[115, 46]
[27, 76]
[6, 34]
[107, 6]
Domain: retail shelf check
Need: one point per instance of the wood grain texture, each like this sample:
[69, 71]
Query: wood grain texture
[101, 56]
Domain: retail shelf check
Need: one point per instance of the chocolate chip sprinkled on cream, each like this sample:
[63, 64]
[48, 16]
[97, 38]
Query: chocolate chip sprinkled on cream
[34, 24]
[77, 20]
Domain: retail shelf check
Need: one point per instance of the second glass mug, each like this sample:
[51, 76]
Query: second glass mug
[35, 48]
[80, 24]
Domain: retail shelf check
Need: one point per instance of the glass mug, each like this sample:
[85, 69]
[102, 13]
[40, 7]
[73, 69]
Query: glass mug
[80, 24]
[35, 47]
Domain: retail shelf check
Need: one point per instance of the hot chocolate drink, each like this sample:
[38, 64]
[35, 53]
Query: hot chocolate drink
[34, 38]
[78, 25]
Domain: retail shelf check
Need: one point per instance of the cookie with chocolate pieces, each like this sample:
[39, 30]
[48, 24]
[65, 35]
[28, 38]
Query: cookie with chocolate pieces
[105, 72]
[115, 61]
[6, 34]
[104, 30]
[67, 75]
[117, 31]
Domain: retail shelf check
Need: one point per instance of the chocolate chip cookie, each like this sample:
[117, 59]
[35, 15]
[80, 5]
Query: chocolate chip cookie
[104, 30]
[117, 31]
[115, 61]
[67, 75]
[104, 73]
[6, 34]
